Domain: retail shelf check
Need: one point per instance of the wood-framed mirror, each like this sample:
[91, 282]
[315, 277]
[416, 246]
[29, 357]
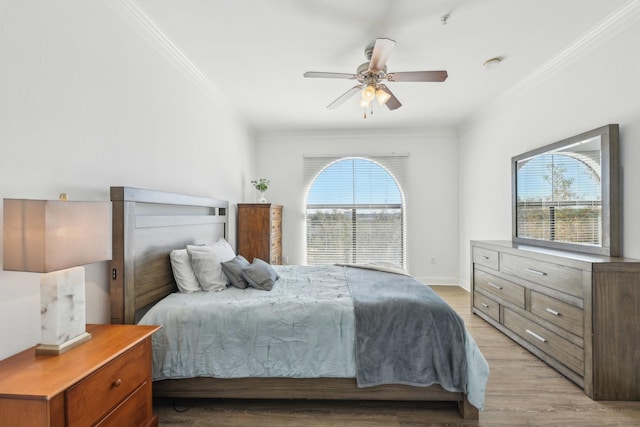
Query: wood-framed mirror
[567, 195]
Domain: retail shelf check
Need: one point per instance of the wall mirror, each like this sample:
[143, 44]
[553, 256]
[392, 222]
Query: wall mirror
[566, 195]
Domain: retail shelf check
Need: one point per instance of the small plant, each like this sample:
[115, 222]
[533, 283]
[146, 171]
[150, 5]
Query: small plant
[261, 185]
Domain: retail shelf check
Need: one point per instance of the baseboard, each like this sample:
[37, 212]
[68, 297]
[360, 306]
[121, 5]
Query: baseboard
[438, 281]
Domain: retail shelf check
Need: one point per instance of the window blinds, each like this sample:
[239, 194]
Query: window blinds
[559, 198]
[355, 209]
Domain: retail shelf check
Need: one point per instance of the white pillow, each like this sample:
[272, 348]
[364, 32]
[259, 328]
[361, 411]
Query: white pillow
[206, 263]
[182, 271]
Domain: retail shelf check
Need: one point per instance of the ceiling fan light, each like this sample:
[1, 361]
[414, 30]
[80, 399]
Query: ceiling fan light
[369, 93]
[382, 96]
[364, 103]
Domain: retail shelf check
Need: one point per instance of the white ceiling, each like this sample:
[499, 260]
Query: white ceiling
[252, 53]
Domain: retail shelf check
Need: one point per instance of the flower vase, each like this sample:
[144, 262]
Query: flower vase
[262, 199]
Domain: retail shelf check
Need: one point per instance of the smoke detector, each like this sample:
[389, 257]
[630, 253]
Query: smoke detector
[492, 63]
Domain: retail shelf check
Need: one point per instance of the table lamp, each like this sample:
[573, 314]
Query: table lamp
[57, 237]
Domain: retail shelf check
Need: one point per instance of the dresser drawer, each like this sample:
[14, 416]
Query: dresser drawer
[555, 276]
[134, 411]
[275, 258]
[487, 306]
[276, 228]
[92, 398]
[487, 257]
[554, 345]
[275, 253]
[559, 313]
[276, 215]
[501, 288]
[276, 243]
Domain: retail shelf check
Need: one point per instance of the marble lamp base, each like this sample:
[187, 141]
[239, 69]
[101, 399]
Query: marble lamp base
[62, 311]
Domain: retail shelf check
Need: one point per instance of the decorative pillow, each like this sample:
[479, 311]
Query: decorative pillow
[233, 270]
[182, 271]
[206, 263]
[260, 275]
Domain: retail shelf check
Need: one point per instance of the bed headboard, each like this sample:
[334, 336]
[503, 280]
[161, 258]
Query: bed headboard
[147, 226]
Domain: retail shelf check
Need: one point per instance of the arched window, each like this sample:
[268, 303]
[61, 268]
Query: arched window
[354, 213]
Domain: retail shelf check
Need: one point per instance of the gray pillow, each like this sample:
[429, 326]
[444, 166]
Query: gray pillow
[233, 270]
[260, 275]
[206, 260]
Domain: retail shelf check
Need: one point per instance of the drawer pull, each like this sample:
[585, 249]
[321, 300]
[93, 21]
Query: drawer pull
[493, 285]
[485, 305]
[117, 383]
[555, 313]
[536, 336]
[485, 257]
[539, 273]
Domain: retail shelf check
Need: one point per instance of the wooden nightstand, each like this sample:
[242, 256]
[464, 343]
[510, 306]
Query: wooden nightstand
[104, 382]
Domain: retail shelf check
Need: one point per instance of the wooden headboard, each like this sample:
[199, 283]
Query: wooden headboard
[147, 226]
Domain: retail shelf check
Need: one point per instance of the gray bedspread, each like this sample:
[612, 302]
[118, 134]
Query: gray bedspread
[302, 328]
[307, 325]
[405, 333]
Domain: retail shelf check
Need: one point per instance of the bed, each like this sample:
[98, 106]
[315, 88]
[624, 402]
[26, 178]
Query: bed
[148, 225]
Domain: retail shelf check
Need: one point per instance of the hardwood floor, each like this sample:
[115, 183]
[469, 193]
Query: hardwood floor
[522, 391]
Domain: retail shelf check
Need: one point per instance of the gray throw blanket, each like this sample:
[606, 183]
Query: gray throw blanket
[405, 333]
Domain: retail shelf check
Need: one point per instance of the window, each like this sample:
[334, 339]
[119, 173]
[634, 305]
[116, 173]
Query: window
[355, 211]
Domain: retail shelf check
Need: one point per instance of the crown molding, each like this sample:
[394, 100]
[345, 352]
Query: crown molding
[357, 134]
[605, 30]
[141, 21]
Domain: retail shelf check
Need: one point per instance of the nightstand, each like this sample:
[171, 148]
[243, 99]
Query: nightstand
[104, 382]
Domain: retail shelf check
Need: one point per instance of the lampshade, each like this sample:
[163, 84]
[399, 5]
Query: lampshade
[382, 96]
[56, 238]
[45, 235]
[369, 93]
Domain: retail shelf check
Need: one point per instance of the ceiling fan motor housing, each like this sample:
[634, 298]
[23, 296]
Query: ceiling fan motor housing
[364, 73]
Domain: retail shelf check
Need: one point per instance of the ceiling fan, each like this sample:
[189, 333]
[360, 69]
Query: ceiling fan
[371, 74]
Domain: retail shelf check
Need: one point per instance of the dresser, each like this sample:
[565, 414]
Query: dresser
[579, 313]
[260, 232]
[103, 382]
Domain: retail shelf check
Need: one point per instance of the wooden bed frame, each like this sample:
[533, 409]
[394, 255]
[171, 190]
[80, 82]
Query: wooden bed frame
[147, 225]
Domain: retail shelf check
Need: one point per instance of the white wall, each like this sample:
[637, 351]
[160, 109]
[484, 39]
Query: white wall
[87, 103]
[432, 200]
[600, 85]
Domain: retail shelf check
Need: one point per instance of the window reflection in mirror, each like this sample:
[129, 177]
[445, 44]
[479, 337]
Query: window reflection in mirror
[559, 196]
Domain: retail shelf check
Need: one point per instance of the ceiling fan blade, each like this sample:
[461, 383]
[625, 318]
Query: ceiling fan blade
[381, 53]
[392, 103]
[342, 98]
[323, 75]
[418, 76]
